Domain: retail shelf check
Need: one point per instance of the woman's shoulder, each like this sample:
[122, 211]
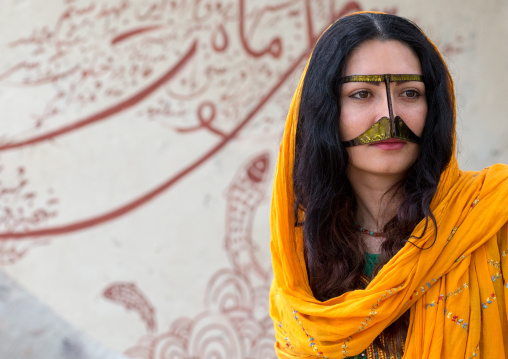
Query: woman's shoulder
[496, 168]
[493, 177]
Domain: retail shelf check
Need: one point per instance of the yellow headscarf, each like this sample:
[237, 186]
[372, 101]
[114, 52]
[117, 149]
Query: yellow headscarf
[455, 290]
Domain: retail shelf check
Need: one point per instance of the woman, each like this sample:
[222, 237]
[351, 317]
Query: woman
[381, 246]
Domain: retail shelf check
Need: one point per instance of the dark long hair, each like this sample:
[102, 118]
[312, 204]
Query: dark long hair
[334, 253]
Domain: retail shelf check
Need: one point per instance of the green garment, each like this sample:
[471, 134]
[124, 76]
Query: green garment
[371, 260]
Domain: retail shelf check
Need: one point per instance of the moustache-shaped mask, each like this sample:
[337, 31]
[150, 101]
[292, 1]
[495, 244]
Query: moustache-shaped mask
[385, 128]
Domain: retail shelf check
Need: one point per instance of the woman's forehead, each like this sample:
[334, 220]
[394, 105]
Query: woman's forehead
[375, 57]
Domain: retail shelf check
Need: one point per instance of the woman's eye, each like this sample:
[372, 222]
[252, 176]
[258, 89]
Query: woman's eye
[360, 95]
[411, 94]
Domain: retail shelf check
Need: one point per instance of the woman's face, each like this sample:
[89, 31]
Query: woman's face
[364, 103]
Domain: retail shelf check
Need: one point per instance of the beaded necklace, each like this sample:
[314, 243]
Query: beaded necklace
[369, 232]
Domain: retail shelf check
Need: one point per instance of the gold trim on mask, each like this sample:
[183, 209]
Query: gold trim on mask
[381, 78]
[382, 130]
[386, 127]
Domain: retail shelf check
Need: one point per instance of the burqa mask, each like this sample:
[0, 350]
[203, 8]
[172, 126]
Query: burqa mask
[384, 128]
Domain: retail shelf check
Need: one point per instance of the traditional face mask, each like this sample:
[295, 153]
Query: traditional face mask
[384, 128]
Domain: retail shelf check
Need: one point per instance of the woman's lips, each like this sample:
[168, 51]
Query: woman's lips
[390, 144]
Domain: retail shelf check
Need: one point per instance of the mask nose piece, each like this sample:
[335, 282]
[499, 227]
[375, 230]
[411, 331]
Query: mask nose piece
[390, 107]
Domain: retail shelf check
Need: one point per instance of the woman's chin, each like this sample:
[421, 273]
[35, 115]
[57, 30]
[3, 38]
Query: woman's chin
[381, 162]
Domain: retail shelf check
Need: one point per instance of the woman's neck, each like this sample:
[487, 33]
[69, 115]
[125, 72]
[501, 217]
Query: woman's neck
[377, 202]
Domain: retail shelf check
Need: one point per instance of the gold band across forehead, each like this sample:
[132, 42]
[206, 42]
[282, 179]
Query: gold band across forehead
[386, 127]
[381, 78]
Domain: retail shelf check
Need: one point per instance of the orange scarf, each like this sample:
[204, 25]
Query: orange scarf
[454, 290]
